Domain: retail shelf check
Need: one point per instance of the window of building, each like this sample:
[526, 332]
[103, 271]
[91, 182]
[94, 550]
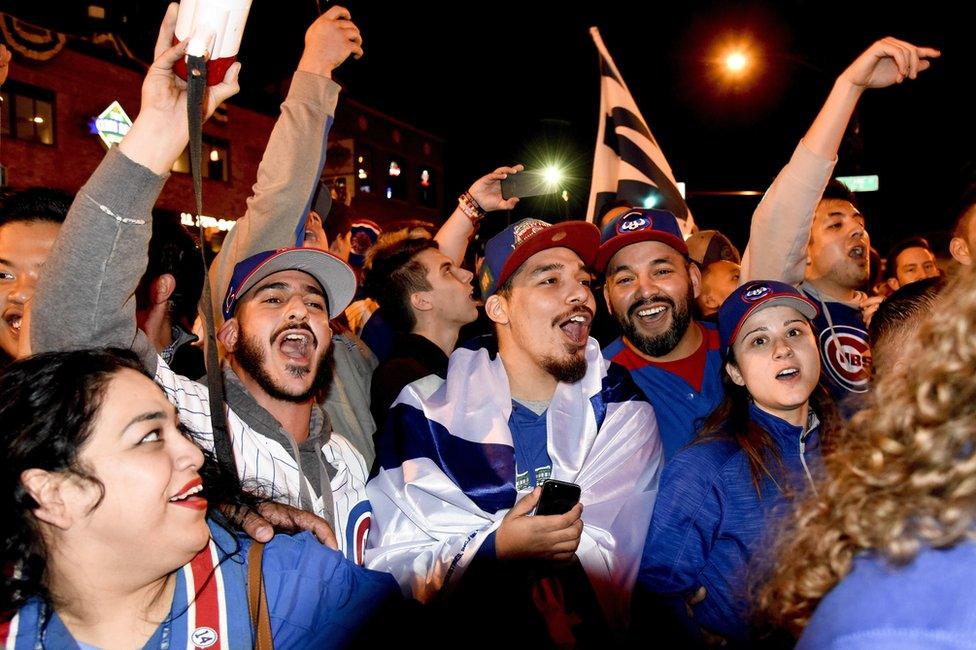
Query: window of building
[216, 159]
[427, 190]
[364, 170]
[396, 179]
[27, 113]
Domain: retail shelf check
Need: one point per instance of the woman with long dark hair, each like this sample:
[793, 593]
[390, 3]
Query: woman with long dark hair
[111, 538]
[719, 495]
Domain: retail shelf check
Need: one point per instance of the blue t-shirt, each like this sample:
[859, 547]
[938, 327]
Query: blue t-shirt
[845, 356]
[532, 462]
[683, 392]
[926, 604]
[530, 438]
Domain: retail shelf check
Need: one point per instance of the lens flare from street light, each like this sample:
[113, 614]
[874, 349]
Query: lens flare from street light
[736, 62]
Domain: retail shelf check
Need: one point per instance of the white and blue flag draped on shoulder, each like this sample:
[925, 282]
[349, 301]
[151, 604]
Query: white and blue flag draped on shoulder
[628, 163]
[444, 476]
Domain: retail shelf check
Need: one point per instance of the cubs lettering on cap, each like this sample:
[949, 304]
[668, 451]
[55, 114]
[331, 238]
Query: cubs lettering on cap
[755, 296]
[634, 221]
[756, 292]
[637, 226]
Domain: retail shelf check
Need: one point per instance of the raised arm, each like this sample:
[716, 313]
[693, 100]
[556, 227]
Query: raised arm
[293, 159]
[454, 235]
[781, 223]
[85, 295]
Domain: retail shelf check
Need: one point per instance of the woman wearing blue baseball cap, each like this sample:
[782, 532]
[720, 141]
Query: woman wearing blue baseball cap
[720, 495]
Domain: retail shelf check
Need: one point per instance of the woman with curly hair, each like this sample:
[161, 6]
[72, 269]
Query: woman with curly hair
[883, 556]
[720, 495]
[111, 538]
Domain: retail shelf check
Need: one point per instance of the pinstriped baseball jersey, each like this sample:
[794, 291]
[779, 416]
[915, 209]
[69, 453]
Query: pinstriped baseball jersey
[266, 462]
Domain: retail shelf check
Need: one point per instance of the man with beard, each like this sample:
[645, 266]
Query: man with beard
[277, 306]
[460, 461]
[809, 233]
[651, 286]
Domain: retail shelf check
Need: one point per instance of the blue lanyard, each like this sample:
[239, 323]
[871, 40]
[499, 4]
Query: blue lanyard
[61, 635]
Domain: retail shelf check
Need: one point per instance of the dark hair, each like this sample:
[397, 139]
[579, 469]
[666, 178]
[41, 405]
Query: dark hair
[48, 404]
[35, 204]
[172, 250]
[339, 220]
[904, 307]
[393, 275]
[731, 421]
[891, 266]
[837, 190]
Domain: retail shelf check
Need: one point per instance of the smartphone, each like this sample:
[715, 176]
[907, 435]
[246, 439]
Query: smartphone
[558, 497]
[523, 184]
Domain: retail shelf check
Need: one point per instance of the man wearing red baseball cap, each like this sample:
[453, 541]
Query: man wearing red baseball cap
[470, 452]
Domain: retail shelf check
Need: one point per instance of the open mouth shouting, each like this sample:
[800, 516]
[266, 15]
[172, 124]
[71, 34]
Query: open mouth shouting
[189, 496]
[12, 318]
[296, 343]
[858, 253]
[575, 325]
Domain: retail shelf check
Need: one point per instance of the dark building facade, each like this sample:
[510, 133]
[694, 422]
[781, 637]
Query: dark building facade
[62, 90]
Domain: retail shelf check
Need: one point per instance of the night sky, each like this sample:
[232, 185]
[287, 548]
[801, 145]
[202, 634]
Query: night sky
[505, 82]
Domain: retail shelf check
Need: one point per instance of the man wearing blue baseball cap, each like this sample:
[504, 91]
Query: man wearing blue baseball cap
[460, 461]
[277, 305]
[650, 289]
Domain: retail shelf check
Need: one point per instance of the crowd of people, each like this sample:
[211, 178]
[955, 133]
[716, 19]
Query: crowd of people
[773, 448]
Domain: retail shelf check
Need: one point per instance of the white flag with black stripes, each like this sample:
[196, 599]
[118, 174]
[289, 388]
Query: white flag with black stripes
[628, 164]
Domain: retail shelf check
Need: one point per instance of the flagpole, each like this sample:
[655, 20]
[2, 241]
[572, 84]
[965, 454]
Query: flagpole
[591, 202]
[595, 33]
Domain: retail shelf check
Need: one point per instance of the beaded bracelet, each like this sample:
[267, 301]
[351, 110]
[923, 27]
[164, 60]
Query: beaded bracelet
[470, 208]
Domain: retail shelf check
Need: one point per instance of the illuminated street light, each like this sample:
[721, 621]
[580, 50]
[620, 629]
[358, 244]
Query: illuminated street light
[650, 201]
[736, 62]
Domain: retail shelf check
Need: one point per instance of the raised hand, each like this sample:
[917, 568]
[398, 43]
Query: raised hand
[159, 134]
[487, 190]
[329, 41]
[888, 61]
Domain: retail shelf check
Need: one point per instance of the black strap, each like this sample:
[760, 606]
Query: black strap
[196, 88]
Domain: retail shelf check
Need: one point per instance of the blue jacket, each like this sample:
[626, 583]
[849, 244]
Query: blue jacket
[316, 599]
[683, 393]
[926, 604]
[709, 520]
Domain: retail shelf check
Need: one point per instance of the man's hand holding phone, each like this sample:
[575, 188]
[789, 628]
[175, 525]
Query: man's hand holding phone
[487, 190]
[550, 537]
